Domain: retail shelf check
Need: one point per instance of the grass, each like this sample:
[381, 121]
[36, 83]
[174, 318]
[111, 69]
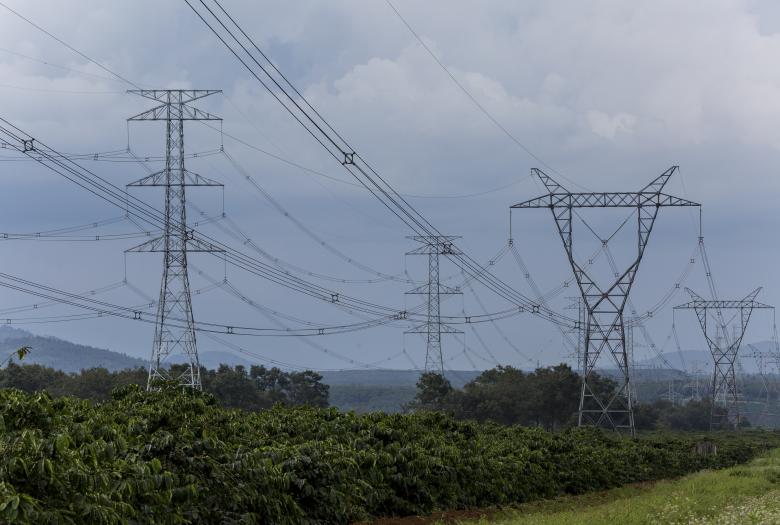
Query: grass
[746, 494]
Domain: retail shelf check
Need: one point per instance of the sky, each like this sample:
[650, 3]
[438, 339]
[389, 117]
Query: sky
[606, 95]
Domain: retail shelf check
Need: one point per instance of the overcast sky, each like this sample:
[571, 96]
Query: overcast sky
[608, 93]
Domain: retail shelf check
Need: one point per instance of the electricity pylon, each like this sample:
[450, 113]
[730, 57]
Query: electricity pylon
[605, 303]
[174, 331]
[433, 246]
[725, 396]
[764, 361]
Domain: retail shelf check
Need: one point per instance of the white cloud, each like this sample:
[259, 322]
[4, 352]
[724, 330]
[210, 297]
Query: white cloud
[608, 126]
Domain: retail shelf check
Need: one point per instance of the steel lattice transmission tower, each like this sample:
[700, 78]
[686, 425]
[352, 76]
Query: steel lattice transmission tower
[175, 327]
[605, 303]
[724, 350]
[433, 246]
[768, 364]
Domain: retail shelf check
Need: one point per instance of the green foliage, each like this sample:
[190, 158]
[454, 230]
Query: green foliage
[663, 415]
[547, 397]
[234, 387]
[744, 494]
[176, 456]
[433, 392]
[20, 354]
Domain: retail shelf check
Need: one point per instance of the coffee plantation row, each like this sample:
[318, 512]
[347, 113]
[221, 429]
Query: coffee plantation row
[173, 457]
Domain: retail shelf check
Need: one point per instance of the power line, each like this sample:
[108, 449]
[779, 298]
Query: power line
[296, 105]
[473, 99]
[39, 28]
[58, 66]
[467, 263]
[64, 91]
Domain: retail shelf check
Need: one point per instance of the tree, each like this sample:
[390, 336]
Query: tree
[291, 388]
[307, 388]
[547, 397]
[433, 389]
[235, 389]
[557, 392]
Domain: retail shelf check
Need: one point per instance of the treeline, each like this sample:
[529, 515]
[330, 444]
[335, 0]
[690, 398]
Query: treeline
[693, 415]
[547, 397]
[251, 389]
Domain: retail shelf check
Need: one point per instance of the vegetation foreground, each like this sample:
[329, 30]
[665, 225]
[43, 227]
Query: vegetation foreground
[745, 494]
[177, 457]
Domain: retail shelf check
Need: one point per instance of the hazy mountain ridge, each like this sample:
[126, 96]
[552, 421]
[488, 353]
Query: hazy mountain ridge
[62, 355]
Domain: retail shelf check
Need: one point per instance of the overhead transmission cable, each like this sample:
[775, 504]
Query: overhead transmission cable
[150, 215]
[62, 42]
[260, 67]
[474, 100]
[531, 307]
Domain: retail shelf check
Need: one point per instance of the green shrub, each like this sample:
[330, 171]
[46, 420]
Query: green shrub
[177, 457]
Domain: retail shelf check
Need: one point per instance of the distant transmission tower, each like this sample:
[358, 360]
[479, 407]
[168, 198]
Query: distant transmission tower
[605, 303]
[578, 330]
[433, 246]
[175, 327]
[765, 362]
[724, 391]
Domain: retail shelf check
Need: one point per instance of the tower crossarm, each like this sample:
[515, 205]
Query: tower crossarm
[174, 104]
[185, 95]
[721, 305]
[560, 197]
[179, 111]
[604, 200]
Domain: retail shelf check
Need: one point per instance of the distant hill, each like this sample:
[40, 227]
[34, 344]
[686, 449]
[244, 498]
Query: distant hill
[212, 359]
[62, 355]
[380, 390]
[391, 378]
[9, 332]
[702, 359]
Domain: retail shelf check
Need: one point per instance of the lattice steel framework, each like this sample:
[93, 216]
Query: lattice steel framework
[768, 364]
[724, 350]
[604, 303]
[434, 246]
[174, 329]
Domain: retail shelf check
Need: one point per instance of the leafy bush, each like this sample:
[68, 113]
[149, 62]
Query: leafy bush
[177, 457]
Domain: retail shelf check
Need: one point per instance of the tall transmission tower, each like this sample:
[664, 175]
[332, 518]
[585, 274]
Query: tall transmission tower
[605, 303]
[768, 364]
[175, 327]
[724, 350]
[433, 246]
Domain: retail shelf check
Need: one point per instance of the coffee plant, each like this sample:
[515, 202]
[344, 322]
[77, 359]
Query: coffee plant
[177, 457]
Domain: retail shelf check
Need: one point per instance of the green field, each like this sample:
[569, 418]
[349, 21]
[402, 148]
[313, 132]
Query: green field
[746, 494]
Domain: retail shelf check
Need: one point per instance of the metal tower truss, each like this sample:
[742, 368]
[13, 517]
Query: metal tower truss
[433, 328]
[605, 302]
[174, 328]
[768, 365]
[724, 350]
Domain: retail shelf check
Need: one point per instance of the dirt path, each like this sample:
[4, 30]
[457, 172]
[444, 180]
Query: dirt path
[451, 516]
